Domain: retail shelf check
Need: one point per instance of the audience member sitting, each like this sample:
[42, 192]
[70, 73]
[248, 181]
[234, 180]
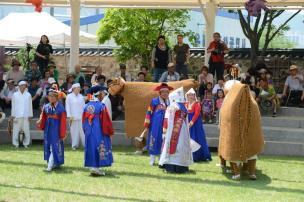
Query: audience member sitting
[218, 86]
[123, 73]
[33, 72]
[204, 78]
[53, 71]
[35, 91]
[100, 85]
[7, 93]
[98, 72]
[208, 106]
[293, 90]
[44, 83]
[267, 96]
[218, 103]
[170, 75]
[2, 82]
[148, 76]
[15, 73]
[141, 77]
[85, 88]
[67, 85]
[79, 76]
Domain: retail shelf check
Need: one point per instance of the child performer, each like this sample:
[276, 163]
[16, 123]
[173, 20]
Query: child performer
[98, 130]
[197, 132]
[53, 122]
[218, 103]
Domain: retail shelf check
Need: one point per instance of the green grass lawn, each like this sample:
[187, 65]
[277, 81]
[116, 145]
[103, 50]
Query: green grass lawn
[131, 179]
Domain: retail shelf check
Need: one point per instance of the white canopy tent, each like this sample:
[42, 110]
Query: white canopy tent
[21, 28]
[208, 7]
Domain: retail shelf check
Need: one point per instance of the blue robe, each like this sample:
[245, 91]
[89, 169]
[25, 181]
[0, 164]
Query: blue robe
[197, 133]
[98, 147]
[54, 125]
[154, 122]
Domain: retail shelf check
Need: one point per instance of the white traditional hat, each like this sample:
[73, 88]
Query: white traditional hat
[229, 84]
[75, 85]
[22, 83]
[191, 91]
[177, 95]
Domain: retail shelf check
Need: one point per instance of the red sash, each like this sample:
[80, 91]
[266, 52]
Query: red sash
[52, 116]
[177, 126]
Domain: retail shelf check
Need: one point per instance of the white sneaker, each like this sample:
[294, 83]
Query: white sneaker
[138, 152]
[74, 148]
[97, 172]
[25, 146]
[236, 177]
[48, 169]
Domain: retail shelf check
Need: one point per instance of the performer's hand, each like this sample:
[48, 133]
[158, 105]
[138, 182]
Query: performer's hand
[190, 124]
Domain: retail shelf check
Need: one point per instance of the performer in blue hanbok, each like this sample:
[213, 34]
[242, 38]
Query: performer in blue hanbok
[197, 132]
[98, 130]
[53, 122]
[154, 120]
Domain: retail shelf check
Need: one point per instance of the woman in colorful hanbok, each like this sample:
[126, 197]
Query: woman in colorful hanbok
[197, 132]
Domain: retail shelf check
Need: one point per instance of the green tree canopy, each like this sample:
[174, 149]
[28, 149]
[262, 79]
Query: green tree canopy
[136, 30]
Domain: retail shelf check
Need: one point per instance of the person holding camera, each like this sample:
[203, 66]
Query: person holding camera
[43, 52]
[218, 49]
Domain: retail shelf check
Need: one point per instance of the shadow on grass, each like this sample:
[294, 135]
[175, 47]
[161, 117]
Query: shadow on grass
[74, 193]
[260, 184]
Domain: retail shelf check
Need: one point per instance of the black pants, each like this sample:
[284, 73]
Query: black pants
[182, 69]
[293, 98]
[218, 69]
[43, 65]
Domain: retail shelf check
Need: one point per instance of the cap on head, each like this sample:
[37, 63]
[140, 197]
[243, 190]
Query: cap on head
[163, 86]
[293, 67]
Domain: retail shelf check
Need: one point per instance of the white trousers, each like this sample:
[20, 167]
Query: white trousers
[21, 124]
[51, 160]
[77, 134]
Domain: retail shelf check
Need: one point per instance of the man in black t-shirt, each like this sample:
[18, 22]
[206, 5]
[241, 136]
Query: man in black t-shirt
[181, 56]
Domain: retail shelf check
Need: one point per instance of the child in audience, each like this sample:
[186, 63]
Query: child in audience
[208, 106]
[218, 103]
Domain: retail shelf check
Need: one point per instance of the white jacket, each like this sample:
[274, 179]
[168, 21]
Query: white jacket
[22, 105]
[74, 106]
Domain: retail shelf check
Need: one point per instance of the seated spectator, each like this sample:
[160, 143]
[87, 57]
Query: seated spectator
[204, 78]
[148, 76]
[79, 76]
[208, 106]
[293, 90]
[268, 96]
[101, 81]
[44, 82]
[123, 73]
[15, 73]
[33, 72]
[218, 86]
[218, 103]
[35, 91]
[67, 85]
[7, 93]
[98, 72]
[53, 71]
[86, 87]
[170, 75]
[2, 82]
[208, 87]
[141, 77]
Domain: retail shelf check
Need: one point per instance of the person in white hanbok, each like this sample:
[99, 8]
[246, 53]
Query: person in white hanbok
[22, 111]
[176, 156]
[74, 107]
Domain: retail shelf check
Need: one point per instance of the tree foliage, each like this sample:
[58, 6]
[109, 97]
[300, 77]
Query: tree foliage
[136, 30]
[254, 28]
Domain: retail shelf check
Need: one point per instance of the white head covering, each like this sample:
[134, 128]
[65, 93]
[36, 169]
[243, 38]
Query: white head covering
[177, 95]
[22, 83]
[230, 83]
[191, 91]
[75, 85]
[51, 80]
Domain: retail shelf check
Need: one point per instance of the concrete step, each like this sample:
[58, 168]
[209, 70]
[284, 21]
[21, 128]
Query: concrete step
[291, 111]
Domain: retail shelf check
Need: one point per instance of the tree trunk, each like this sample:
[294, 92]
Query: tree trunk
[254, 50]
